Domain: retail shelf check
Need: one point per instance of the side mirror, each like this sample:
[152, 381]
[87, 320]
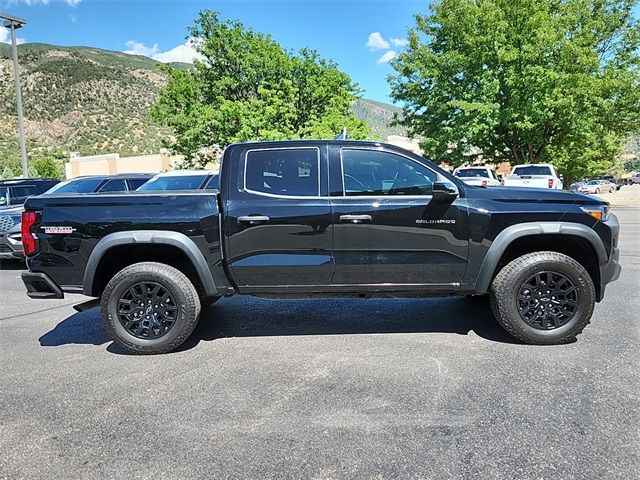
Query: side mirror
[444, 192]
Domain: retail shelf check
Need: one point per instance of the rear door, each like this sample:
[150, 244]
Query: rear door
[388, 232]
[278, 218]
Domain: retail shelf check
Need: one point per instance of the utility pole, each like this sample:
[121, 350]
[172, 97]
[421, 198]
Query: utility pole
[14, 23]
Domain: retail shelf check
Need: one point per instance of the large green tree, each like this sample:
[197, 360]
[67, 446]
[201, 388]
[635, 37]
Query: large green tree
[523, 81]
[245, 86]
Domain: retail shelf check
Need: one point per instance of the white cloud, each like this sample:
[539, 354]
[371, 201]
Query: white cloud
[399, 42]
[185, 53]
[5, 36]
[73, 3]
[387, 57]
[377, 42]
[138, 48]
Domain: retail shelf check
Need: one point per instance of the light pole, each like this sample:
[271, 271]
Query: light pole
[14, 23]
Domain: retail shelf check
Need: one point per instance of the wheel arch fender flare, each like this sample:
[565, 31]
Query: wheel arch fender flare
[148, 237]
[531, 229]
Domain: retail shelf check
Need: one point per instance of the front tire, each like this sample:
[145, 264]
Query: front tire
[150, 308]
[543, 298]
[597, 191]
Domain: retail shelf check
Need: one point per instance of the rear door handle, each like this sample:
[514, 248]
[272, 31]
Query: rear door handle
[355, 218]
[254, 219]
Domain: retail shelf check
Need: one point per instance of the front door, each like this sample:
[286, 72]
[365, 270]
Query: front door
[279, 219]
[387, 229]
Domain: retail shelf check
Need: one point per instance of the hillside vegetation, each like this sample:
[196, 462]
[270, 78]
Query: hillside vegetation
[95, 101]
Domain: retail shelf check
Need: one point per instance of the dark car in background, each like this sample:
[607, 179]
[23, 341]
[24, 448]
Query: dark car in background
[10, 218]
[15, 192]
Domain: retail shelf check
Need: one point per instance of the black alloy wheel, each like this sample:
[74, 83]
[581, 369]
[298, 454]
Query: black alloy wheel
[147, 310]
[547, 300]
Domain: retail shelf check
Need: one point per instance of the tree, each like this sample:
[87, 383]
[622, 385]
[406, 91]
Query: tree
[523, 81]
[245, 86]
[632, 165]
[46, 167]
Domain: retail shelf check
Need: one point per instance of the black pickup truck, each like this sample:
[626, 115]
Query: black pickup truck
[323, 218]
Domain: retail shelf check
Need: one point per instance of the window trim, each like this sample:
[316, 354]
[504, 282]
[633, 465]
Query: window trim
[275, 195]
[381, 150]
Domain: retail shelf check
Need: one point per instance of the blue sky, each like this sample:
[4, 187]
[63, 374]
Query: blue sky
[360, 35]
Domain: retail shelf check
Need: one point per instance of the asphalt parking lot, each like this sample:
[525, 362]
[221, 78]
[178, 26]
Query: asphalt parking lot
[425, 388]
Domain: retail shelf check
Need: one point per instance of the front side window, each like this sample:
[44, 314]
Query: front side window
[290, 172]
[375, 173]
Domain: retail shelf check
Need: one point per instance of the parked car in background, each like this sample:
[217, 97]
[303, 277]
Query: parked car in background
[121, 182]
[479, 176]
[633, 179]
[616, 181]
[539, 175]
[182, 180]
[575, 186]
[598, 186]
[16, 191]
[10, 241]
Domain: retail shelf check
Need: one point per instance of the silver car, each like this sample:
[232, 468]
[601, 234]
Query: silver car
[597, 186]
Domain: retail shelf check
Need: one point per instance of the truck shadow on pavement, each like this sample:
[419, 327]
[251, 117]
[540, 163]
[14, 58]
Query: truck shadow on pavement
[250, 317]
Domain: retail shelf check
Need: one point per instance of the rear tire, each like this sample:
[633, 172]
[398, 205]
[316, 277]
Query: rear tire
[150, 308]
[597, 191]
[540, 309]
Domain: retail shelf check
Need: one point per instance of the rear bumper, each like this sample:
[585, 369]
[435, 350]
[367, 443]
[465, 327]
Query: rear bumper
[40, 285]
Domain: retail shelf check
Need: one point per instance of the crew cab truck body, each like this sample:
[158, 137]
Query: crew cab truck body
[539, 175]
[323, 218]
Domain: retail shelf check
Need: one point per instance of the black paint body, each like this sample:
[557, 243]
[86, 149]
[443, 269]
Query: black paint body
[414, 245]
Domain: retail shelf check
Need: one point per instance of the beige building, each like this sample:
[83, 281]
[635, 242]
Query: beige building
[110, 163]
[411, 144]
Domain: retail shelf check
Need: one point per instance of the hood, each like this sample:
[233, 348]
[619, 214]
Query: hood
[531, 195]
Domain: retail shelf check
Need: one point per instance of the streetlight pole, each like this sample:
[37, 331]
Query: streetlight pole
[15, 23]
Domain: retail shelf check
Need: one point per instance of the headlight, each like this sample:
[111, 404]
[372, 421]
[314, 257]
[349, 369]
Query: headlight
[599, 212]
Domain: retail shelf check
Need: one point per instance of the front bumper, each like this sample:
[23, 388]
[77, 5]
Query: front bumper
[11, 246]
[610, 271]
[40, 285]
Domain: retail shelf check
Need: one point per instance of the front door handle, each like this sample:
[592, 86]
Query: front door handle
[254, 219]
[355, 218]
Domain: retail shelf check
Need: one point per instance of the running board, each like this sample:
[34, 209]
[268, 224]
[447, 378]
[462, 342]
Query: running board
[88, 305]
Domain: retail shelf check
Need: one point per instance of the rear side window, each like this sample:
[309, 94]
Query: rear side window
[174, 183]
[115, 186]
[290, 172]
[214, 183]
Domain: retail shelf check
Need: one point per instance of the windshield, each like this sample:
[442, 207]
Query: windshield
[78, 185]
[472, 172]
[179, 182]
[532, 170]
[3, 196]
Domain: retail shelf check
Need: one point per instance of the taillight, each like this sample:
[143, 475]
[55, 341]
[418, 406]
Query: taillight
[29, 243]
[550, 181]
[484, 183]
